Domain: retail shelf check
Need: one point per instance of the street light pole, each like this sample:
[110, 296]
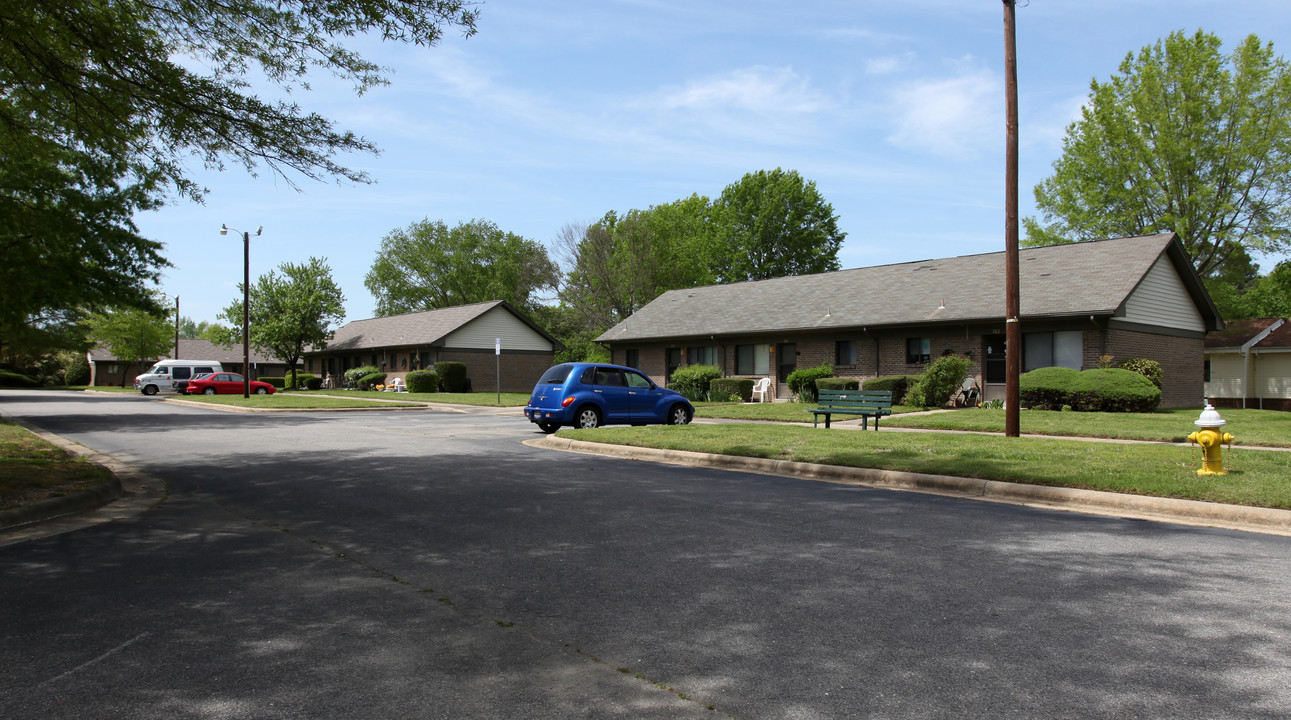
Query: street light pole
[246, 305]
[176, 327]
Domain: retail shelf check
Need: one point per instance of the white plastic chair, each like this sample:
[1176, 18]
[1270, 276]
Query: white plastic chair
[762, 388]
[396, 385]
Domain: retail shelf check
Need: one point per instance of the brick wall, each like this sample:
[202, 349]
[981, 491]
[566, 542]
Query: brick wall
[519, 370]
[1182, 362]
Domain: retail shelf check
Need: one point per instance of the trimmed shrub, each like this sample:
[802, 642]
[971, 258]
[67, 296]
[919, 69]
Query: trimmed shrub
[276, 382]
[723, 388]
[1150, 369]
[802, 382]
[9, 378]
[1114, 390]
[422, 381]
[895, 384]
[452, 377]
[1047, 388]
[77, 370]
[354, 375]
[313, 383]
[302, 380]
[371, 380]
[942, 378]
[693, 381]
[837, 383]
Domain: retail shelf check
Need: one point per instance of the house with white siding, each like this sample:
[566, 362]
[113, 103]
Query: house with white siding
[494, 340]
[1123, 297]
[1248, 365]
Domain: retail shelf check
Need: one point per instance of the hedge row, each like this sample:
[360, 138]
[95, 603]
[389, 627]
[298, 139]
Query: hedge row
[694, 381]
[1099, 390]
[725, 388]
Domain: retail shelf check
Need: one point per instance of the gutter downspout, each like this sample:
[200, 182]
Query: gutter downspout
[1246, 351]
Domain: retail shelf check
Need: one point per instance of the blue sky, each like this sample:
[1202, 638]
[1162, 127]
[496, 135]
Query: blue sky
[558, 111]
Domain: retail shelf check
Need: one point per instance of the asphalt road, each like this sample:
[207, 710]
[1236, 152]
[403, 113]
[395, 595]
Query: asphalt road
[429, 565]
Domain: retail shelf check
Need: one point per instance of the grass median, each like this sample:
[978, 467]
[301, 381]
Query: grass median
[32, 469]
[480, 399]
[775, 412]
[1251, 427]
[1257, 477]
[280, 401]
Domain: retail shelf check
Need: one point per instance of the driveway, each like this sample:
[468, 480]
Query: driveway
[430, 565]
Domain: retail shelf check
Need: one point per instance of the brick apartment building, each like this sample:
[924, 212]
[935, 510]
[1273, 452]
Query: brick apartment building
[1126, 297]
[468, 334]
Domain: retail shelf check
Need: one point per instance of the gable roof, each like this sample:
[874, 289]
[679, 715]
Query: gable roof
[1240, 332]
[1073, 280]
[1279, 339]
[199, 349]
[429, 327]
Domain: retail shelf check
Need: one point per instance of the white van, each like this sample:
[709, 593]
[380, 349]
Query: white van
[170, 376]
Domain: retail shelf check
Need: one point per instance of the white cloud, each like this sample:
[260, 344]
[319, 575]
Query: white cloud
[955, 117]
[886, 65]
[758, 90]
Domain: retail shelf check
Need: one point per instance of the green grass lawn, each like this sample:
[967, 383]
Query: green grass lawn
[1250, 427]
[281, 401]
[780, 412]
[1257, 477]
[32, 469]
[482, 399]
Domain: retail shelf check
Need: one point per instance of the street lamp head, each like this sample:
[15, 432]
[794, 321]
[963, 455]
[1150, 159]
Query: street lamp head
[224, 229]
[259, 230]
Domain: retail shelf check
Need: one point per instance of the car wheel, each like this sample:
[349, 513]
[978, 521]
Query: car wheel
[149, 389]
[548, 427]
[261, 391]
[588, 418]
[679, 415]
[208, 391]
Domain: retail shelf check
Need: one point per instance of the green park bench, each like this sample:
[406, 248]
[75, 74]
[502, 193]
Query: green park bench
[866, 403]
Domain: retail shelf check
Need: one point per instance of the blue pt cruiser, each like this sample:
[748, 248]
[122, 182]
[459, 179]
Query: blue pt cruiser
[588, 395]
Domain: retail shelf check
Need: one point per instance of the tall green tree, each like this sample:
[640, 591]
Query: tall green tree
[772, 224]
[1183, 138]
[68, 238]
[290, 312]
[135, 336]
[156, 83]
[429, 265]
[190, 328]
[1268, 296]
[620, 263]
[105, 104]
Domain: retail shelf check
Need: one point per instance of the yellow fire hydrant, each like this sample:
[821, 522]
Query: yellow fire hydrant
[1209, 437]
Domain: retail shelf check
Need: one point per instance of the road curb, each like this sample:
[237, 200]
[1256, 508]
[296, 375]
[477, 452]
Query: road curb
[130, 491]
[1190, 512]
[91, 499]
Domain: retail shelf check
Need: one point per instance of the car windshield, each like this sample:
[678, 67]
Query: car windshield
[556, 375]
[200, 376]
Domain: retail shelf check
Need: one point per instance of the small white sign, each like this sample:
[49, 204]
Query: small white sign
[497, 346]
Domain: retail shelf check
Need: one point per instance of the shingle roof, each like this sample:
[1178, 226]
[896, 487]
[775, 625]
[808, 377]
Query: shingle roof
[429, 327]
[1055, 281]
[1238, 332]
[199, 349]
[1279, 338]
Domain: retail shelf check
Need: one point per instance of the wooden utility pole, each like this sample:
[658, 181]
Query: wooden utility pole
[1012, 305]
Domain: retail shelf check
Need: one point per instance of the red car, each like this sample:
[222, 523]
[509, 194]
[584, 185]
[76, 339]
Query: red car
[224, 384]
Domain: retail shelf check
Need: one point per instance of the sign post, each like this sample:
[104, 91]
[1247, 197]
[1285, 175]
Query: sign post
[497, 358]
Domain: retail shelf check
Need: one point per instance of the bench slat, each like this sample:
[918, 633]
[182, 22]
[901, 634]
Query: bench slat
[866, 403]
